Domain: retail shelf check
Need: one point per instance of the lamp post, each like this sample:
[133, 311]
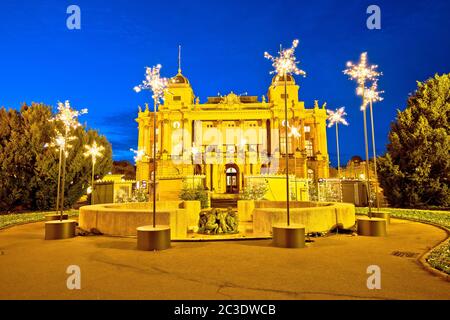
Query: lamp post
[296, 134]
[194, 152]
[243, 144]
[371, 96]
[60, 143]
[94, 151]
[69, 119]
[285, 64]
[157, 85]
[336, 117]
[363, 72]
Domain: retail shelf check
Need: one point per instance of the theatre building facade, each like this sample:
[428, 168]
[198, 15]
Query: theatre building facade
[228, 140]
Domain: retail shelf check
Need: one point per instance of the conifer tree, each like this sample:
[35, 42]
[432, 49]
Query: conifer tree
[29, 169]
[415, 171]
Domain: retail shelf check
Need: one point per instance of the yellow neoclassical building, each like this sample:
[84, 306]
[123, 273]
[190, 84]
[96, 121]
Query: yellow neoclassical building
[226, 139]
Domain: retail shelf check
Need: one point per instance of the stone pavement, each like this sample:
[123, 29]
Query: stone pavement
[332, 267]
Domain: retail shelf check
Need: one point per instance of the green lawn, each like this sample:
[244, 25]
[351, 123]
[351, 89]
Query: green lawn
[439, 257]
[20, 218]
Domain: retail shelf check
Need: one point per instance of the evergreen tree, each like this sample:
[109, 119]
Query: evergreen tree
[416, 168]
[29, 169]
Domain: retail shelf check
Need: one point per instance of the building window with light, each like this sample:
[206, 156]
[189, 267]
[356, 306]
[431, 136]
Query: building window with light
[309, 148]
[283, 144]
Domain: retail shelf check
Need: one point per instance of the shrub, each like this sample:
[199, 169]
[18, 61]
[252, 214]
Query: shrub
[254, 191]
[197, 193]
[137, 195]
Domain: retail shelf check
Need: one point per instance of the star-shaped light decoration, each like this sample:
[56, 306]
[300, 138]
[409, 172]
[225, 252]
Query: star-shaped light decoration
[68, 116]
[336, 117]
[370, 95]
[60, 142]
[285, 63]
[362, 72]
[154, 82]
[294, 133]
[139, 154]
[94, 151]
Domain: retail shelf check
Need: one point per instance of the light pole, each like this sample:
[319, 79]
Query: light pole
[58, 142]
[362, 72]
[69, 119]
[157, 85]
[336, 117]
[371, 96]
[94, 151]
[296, 134]
[242, 145]
[194, 151]
[285, 64]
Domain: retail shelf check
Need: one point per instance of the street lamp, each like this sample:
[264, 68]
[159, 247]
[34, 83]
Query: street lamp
[371, 96]
[296, 134]
[194, 152]
[242, 145]
[336, 117]
[285, 64]
[94, 151]
[69, 119]
[157, 85]
[59, 142]
[363, 72]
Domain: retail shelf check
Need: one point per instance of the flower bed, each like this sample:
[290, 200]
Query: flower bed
[439, 258]
[9, 220]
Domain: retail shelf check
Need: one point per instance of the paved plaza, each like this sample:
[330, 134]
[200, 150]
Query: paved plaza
[332, 267]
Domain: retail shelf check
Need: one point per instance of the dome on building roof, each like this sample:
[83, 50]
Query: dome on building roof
[179, 79]
[356, 159]
[278, 78]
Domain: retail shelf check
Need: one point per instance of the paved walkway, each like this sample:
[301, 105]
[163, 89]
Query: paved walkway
[332, 267]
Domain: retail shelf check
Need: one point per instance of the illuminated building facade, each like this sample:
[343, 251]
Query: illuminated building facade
[228, 138]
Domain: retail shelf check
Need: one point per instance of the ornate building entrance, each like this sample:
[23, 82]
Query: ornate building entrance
[232, 178]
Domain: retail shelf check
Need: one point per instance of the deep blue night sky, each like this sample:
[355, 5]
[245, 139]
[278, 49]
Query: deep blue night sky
[223, 44]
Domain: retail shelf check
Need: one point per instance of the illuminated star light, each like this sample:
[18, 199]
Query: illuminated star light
[336, 117]
[370, 95]
[154, 82]
[94, 151]
[60, 142]
[294, 133]
[362, 71]
[286, 62]
[139, 154]
[68, 116]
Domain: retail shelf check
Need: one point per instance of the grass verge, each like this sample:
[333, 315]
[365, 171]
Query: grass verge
[8, 220]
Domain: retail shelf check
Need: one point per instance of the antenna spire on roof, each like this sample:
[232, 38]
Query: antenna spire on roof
[179, 59]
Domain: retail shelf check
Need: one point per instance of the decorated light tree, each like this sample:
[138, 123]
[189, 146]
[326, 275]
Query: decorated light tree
[286, 64]
[61, 144]
[372, 95]
[334, 118]
[361, 73]
[94, 151]
[68, 117]
[157, 85]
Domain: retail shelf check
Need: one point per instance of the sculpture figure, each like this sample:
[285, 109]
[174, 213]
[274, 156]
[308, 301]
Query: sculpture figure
[218, 221]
